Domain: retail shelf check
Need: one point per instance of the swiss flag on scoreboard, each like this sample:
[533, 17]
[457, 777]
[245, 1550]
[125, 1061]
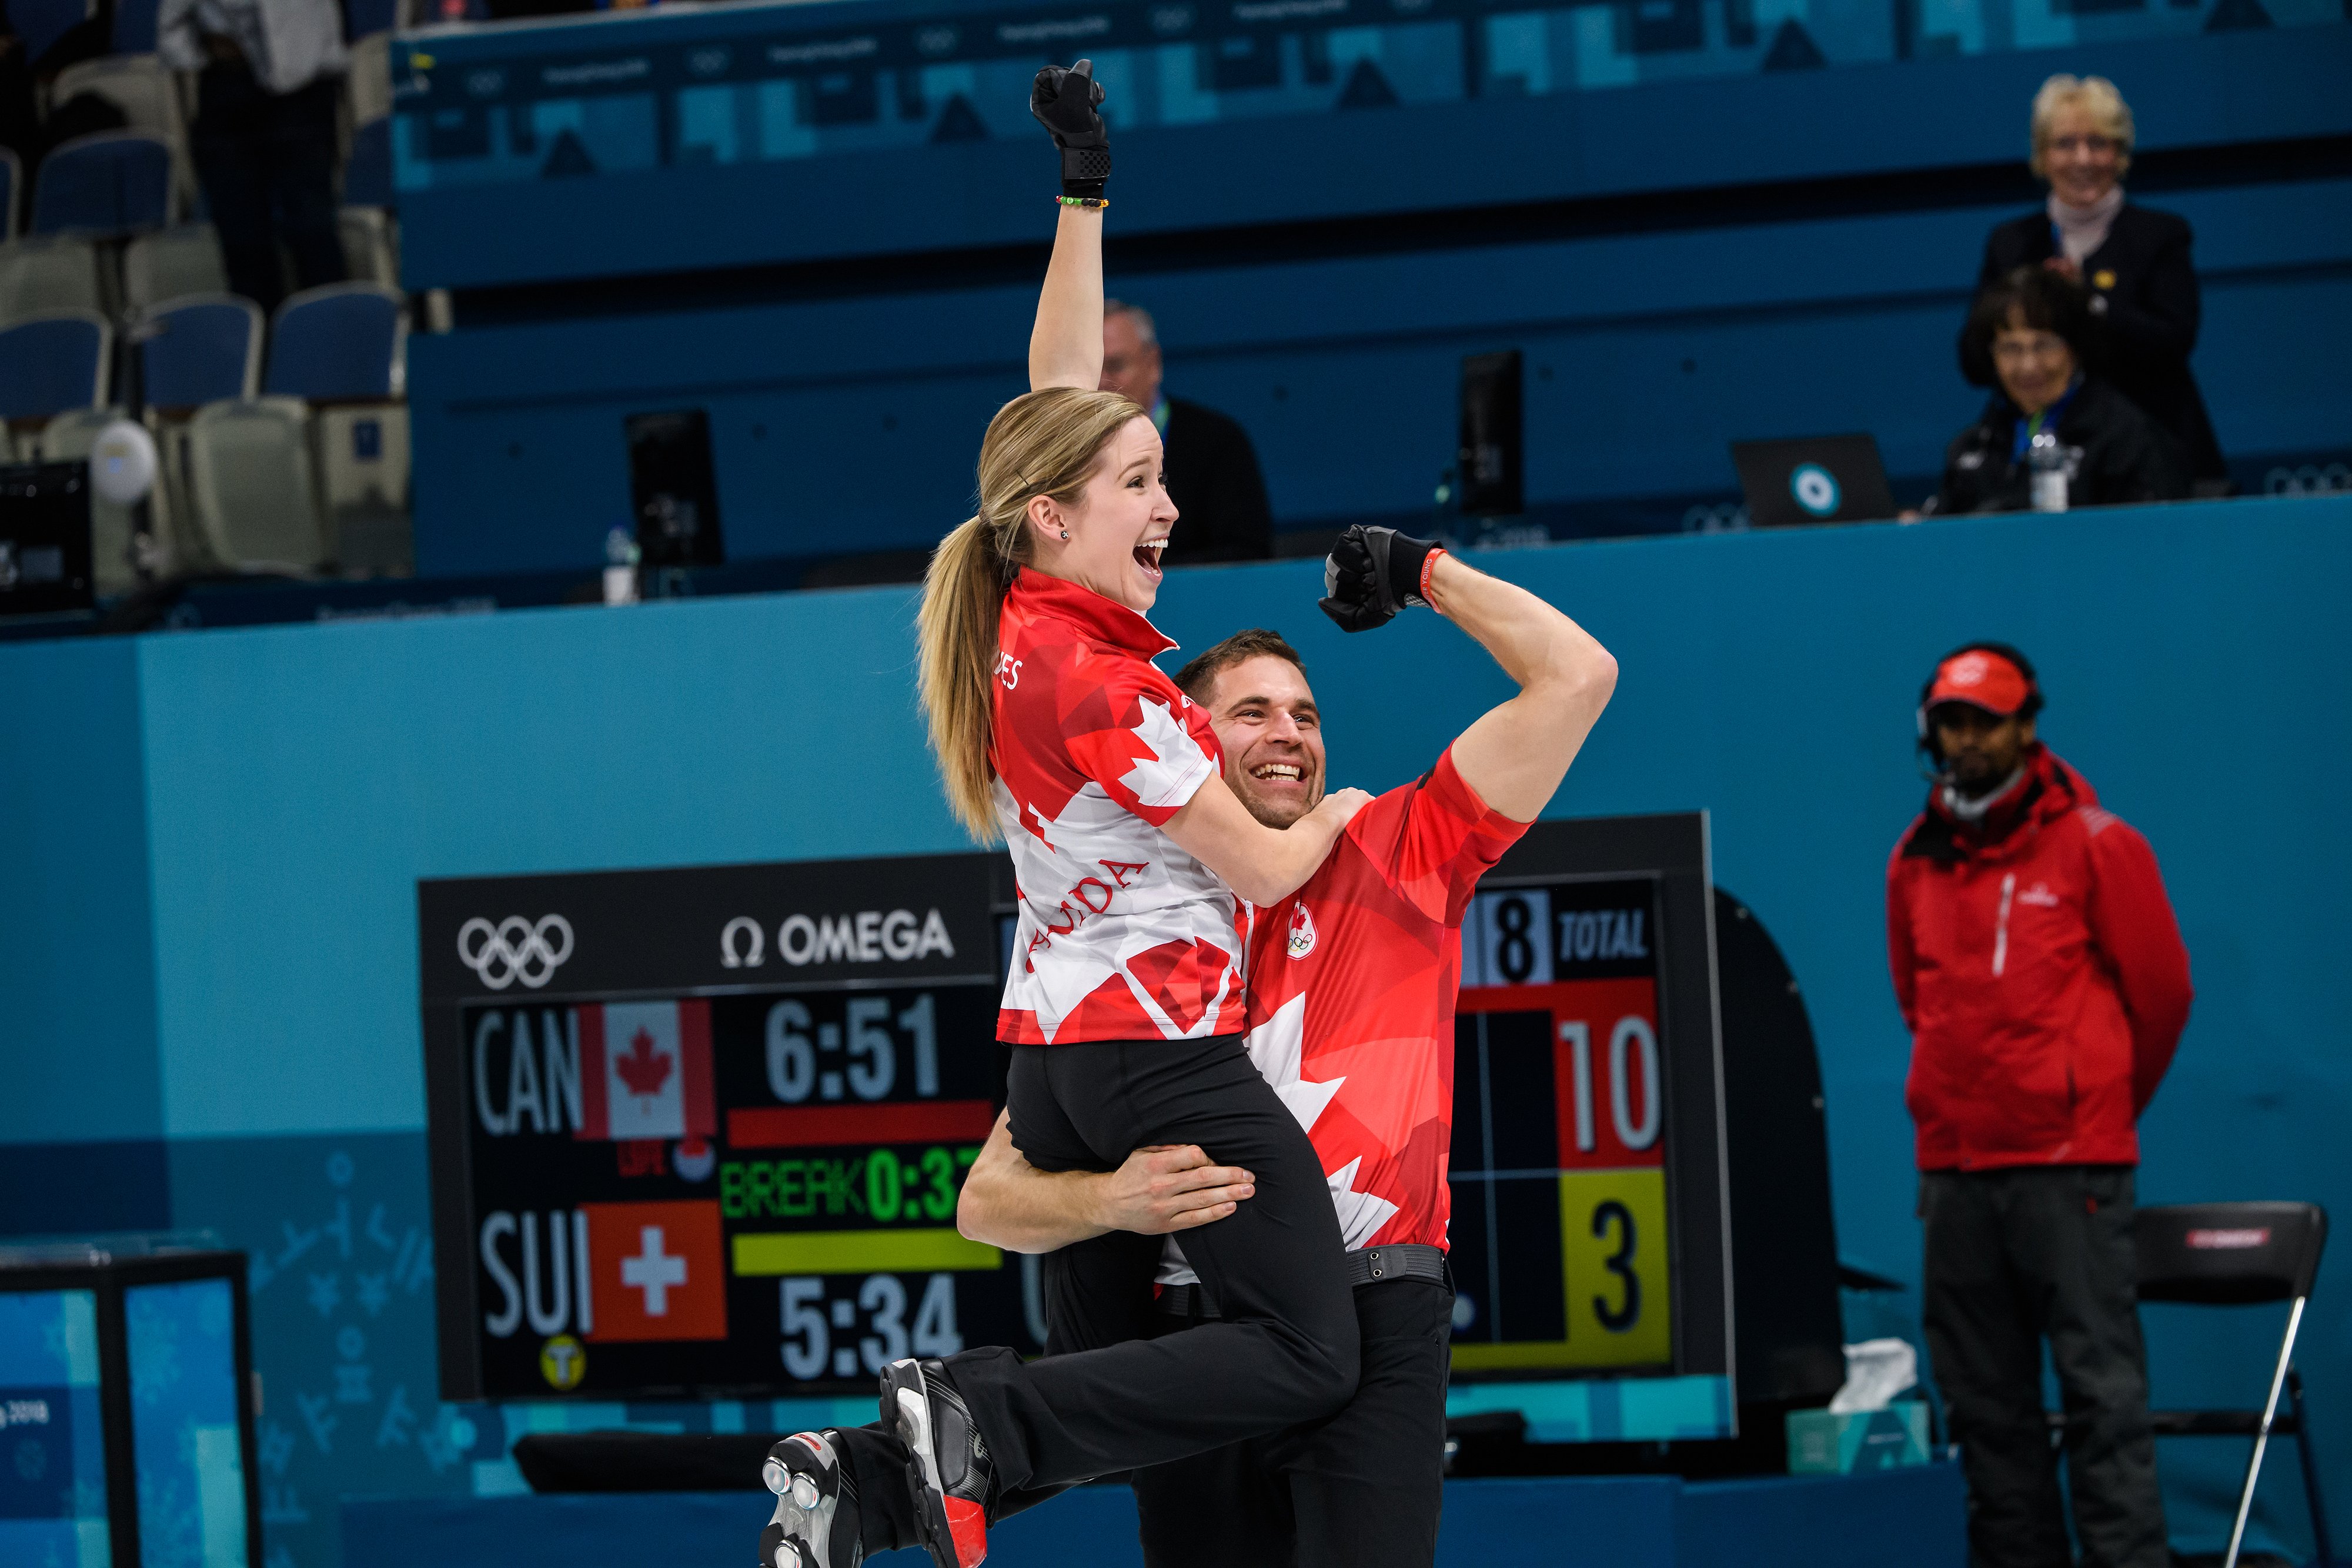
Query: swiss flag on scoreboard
[656, 1270]
[644, 1071]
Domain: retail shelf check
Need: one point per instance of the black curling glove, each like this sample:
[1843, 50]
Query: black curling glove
[1370, 574]
[1065, 102]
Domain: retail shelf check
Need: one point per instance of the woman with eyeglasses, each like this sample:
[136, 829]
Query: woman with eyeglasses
[2132, 264]
[2096, 447]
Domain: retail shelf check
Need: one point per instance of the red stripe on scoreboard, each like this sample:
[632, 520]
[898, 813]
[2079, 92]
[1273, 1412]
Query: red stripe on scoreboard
[919, 1122]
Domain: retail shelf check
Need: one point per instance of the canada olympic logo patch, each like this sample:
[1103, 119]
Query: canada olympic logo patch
[1302, 931]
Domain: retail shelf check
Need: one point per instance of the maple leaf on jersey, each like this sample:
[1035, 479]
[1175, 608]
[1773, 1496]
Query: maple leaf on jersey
[641, 1067]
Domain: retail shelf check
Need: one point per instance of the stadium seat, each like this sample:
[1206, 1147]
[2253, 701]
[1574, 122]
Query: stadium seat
[105, 186]
[54, 363]
[362, 457]
[119, 559]
[367, 174]
[49, 273]
[141, 85]
[147, 93]
[135, 26]
[342, 341]
[368, 87]
[37, 23]
[11, 184]
[250, 485]
[202, 349]
[171, 263]
[371, 246]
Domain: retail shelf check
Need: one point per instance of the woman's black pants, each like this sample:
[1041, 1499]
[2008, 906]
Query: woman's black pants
[1284, 1348]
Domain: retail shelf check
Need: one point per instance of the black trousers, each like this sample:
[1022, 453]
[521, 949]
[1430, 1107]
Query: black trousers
[266, 161]
[2015, 1257]
[1362, 1485]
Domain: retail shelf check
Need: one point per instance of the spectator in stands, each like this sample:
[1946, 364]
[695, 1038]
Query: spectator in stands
[2133, 260]
[2030, 327]
[265, 135]
[1211, 469]
[2039, 967]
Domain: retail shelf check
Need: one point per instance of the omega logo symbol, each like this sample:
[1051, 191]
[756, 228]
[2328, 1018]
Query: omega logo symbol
[741, 942]
[516, 948]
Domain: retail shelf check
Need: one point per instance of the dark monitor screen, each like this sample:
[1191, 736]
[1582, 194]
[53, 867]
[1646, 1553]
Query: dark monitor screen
[45, 546]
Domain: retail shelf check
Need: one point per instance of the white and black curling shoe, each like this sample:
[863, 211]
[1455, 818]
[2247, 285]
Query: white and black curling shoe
[950, 1476]
[815, 1525]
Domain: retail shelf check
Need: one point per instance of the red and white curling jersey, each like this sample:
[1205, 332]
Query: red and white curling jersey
[1121, 935]
[1352, 985]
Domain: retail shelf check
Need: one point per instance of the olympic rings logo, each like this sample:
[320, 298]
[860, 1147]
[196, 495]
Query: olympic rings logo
[514, 949]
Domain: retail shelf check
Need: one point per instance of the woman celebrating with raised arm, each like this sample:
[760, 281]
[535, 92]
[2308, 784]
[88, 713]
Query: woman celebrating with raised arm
[1124, 1008]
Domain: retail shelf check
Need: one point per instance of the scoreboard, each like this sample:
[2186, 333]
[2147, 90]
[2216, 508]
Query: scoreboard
[1588, 1232]
[701, 1131]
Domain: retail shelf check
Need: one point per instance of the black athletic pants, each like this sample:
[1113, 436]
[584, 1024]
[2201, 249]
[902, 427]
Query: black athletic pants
[1359, 1487]
[2016, 1256]
[1285, 1350]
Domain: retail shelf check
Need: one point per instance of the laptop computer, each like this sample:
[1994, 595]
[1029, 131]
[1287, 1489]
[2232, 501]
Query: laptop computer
[1814, 479]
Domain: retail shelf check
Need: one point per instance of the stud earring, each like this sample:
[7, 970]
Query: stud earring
[1065, 533]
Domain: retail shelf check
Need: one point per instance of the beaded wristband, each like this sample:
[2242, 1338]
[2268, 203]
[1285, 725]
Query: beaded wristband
[1094, 202]
[1428, 565]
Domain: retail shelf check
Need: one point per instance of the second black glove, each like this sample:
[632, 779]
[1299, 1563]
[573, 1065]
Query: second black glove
[1066, 103]
[1372, 573]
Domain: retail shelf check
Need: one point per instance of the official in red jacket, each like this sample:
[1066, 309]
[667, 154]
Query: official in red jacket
[2040, 970]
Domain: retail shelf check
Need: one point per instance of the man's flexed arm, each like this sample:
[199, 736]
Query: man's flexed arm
[1007, 1202]
[1515, 755]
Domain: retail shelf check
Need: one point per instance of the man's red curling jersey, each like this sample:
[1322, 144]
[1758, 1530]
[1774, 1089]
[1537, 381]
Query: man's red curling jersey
[1352, 984]
[1121, 935]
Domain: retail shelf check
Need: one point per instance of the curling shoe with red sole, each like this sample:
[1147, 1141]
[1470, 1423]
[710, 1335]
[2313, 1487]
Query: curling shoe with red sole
[950, 1476]
[815, 1525]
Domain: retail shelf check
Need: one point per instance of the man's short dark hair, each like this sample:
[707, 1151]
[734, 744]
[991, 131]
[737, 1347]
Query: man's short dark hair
[1196, 678]
[2043, 299]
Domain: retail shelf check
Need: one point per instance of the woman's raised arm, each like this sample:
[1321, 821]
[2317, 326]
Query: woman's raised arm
[1065, 346]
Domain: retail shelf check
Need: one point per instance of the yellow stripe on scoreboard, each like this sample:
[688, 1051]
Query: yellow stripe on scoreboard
[1613, 1264]
[861, 1252]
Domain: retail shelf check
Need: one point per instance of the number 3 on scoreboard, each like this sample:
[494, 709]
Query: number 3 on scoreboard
[1613, 1251]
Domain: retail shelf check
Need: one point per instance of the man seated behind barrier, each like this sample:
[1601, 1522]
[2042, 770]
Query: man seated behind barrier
[1353, 983]
[1212, 468]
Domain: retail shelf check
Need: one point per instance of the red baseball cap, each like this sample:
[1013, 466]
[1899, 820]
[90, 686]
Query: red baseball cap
[1980, 678]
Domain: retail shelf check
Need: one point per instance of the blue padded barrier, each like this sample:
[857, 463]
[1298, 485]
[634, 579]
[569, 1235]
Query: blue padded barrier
[342, 341]
[201, 348]
[53, 363]
[1893, 1518]
[113, 183]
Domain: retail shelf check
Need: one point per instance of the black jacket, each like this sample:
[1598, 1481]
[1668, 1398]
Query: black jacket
[2141, 334]
[1213, 476]
[2124, 457]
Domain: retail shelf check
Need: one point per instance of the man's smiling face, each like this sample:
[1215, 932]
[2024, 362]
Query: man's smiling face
[1266, 720]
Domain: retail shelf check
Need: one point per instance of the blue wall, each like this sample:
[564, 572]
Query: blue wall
[211, 842]
[844, 409]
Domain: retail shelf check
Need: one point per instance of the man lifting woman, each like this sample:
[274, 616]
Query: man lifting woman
[1150, 865]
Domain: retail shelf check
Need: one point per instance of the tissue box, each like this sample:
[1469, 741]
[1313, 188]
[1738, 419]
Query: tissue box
[1823, 1444]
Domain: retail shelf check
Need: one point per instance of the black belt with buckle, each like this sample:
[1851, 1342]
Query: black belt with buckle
[1366, 1266]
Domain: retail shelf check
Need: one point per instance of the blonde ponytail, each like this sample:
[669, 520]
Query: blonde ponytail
[1043, 444]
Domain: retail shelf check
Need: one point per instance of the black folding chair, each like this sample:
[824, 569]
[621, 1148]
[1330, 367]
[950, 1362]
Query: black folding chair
[2237, 1254]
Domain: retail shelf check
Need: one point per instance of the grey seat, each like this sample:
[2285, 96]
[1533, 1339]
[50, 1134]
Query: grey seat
[172, 264]
[371, 246]
[252, 485]
[122, 556]
[49, 272]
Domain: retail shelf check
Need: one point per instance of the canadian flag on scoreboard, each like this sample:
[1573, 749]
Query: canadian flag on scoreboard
[644, 1071]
